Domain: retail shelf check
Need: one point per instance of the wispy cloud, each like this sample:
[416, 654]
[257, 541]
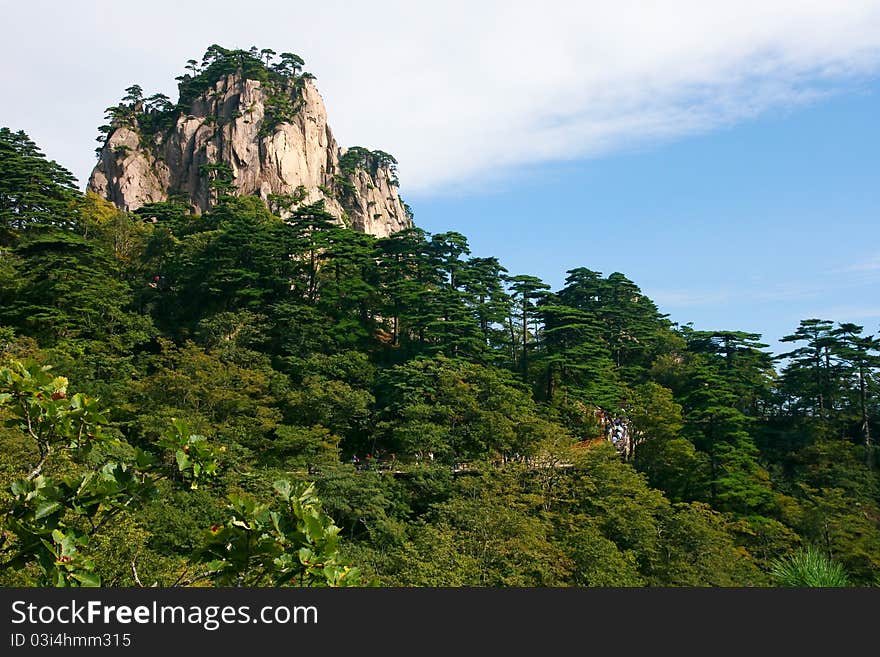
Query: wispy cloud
[776, 293]
[458, 91]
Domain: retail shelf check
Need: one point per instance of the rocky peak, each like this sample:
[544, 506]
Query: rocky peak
[246, 133]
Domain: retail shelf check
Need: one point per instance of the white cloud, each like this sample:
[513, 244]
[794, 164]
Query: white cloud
[458, 91]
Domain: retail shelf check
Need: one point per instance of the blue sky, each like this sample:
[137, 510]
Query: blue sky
[723, 155]
[750, 227]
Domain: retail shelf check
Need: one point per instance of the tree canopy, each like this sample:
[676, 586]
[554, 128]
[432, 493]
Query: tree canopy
[238, 399]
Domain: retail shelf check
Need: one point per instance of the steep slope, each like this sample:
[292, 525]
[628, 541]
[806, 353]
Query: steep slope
[247, 136]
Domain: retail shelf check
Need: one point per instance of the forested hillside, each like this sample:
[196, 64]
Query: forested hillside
[171, 381]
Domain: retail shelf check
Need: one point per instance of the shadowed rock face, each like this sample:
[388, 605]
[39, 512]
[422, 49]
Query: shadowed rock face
[227, 125]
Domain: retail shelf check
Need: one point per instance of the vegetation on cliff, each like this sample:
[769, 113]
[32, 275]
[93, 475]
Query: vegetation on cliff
[155, 114]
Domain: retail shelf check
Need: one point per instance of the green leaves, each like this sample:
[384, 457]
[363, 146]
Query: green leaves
[51, 518]
[196, 458]
[46, 508]
[293, 544]
[41, 409]
[284, 489]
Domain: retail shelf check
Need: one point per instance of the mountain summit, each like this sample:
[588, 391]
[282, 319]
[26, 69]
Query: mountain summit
[246, 123]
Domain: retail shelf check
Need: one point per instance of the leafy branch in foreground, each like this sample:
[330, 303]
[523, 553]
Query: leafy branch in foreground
[292, 544]
[50, 518]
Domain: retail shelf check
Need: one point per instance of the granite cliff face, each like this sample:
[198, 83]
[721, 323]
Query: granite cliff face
[268, 140]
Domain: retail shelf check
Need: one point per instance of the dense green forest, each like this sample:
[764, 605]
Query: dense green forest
[235, 399]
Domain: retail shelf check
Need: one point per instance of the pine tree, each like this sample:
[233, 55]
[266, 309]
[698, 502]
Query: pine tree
[349, 287]
[455, 331]
[745, 365]
[483, 281]
[408, 280]
[860, 356]
[33, 191]
[575, 355]
[718, 428]
[633, 323]
[810, 378]
[525, 291]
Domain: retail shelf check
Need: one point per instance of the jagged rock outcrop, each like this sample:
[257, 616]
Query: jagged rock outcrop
[232, 129]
